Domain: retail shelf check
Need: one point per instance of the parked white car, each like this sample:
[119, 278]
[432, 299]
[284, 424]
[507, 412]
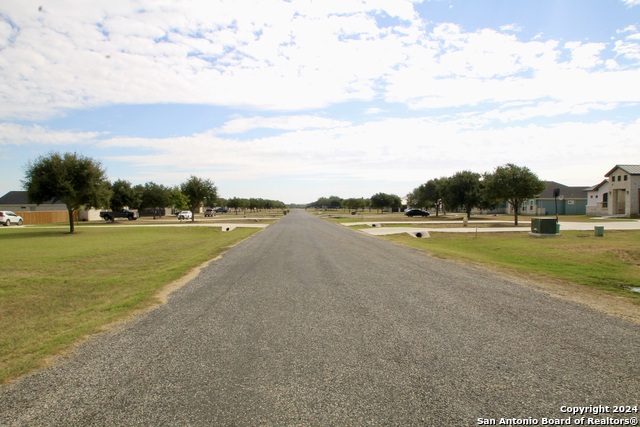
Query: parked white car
[8, 218]
[185, 215]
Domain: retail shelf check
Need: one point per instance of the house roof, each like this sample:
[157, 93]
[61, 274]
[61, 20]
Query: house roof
[630, 169]
[14, 198]
[566, 191]
[595, 187]
[20, 198]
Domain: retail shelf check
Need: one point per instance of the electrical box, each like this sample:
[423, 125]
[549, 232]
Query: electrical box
[544, 226]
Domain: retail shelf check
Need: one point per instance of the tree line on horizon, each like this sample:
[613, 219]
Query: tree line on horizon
[465, 190]
[81, 182]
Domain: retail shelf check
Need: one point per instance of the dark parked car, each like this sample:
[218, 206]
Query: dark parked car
[416, 212]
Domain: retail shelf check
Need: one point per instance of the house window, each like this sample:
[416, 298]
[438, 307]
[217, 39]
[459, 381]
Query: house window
[605, 200]
[625, 177]
[619, 176]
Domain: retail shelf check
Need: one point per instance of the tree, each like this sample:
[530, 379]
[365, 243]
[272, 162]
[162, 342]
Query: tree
[72, 179]
[513, 184]
[428, 195]
[354, 203]
[416, 198]
[124, 195]
[177, 199]
[198, 190]
[462, 190]
[383, 200]
[237, 203]
[156, 197]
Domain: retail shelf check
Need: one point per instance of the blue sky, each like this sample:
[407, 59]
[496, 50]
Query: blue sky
[294, 100]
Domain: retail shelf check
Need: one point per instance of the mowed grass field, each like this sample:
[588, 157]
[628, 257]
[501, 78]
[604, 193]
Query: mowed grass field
[57, 288]
[610, 263]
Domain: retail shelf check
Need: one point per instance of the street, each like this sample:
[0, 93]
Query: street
[308, 323]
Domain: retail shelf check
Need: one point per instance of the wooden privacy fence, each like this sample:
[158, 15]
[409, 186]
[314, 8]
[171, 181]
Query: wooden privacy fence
[44, 217]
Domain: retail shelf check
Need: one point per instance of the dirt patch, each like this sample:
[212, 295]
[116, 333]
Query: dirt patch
[167, 290]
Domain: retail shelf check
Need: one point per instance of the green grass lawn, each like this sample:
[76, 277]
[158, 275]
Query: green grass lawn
[610, 263]
[57, 288]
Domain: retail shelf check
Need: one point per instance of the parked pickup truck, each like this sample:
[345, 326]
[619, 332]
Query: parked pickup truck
[124, 213]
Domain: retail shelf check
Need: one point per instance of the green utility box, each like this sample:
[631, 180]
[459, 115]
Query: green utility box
[544, 226]
[599, 230]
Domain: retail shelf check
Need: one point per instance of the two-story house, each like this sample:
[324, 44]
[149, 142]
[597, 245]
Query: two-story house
[624, 190]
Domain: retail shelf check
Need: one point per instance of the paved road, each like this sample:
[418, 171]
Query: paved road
[309, 323]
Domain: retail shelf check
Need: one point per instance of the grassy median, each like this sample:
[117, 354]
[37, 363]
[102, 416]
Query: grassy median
[610, 263]
[57, 288]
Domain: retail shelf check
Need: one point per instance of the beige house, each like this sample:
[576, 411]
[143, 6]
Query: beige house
[598, 199]
[624, 190]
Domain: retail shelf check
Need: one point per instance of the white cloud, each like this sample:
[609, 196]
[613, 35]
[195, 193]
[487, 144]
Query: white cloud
[585, 55]
[14, 134]
[476, 97]
[279, 56]
[267, 54]
[404, 151]
[290, 123]
[396, 149]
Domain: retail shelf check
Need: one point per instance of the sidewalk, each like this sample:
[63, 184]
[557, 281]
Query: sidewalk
[380, 230]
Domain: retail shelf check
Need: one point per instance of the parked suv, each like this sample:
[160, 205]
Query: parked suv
[209, 212]
[185, 215]
[8, 218]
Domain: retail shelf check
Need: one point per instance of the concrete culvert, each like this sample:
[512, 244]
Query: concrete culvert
[420, 234]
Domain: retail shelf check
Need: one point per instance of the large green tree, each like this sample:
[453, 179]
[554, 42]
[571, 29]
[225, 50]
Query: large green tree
[156, 197]
[178, 199]
[124, 195]
[428, 195]
[72, 179]
[513, 184]
[463, 190]
[198, 190]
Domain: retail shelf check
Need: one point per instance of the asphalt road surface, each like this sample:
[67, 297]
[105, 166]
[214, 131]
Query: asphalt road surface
[311, 324]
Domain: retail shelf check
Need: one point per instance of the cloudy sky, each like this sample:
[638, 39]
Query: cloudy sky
[294, 100]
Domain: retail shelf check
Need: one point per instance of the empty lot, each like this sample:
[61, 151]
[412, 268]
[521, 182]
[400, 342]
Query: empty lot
[309, 323]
